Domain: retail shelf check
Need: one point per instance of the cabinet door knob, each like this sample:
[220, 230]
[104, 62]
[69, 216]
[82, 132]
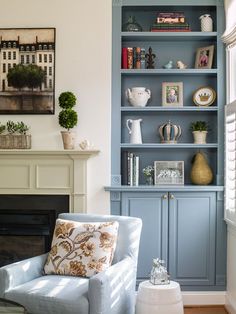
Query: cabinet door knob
[171, 196]
[164, 196]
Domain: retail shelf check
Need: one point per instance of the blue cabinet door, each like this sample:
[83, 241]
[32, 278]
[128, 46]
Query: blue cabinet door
[152, 208]
[192, 225]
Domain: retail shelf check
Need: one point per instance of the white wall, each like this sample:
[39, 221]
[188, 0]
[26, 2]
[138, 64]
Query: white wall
[83, 66]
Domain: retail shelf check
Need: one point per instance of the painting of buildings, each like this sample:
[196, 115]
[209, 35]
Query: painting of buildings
[27, 71]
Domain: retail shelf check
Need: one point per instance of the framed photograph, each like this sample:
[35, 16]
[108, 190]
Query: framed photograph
[168, 172]
[204, 57]
[172, 94]
[204, 96]
[27, 70]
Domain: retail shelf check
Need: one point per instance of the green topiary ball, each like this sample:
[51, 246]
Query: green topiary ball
[67, 100]
[68, 118]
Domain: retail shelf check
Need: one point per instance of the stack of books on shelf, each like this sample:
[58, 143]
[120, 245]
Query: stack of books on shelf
[133, 58]
[170, 22]
[130, 168]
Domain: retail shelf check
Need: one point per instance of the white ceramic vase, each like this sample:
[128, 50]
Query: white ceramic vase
[138, 96]
[206, 23]
[199, 137]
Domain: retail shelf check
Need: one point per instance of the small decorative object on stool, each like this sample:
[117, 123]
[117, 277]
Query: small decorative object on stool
[159, 275]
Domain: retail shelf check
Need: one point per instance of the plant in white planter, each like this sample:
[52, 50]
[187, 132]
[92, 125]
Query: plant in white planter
[68, 118]
[199, 130]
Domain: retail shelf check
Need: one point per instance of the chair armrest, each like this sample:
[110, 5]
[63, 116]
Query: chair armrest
[113, 291]
[15, 274]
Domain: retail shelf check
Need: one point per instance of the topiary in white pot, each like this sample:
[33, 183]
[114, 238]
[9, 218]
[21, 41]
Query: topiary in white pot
[68, 118]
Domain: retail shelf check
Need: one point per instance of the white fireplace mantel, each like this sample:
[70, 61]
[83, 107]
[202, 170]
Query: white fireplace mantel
[47, 172]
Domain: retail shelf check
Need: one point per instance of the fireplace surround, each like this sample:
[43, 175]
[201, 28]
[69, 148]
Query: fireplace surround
[35, 186]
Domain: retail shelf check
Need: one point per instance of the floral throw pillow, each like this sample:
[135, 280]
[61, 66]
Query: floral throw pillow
[81, 249]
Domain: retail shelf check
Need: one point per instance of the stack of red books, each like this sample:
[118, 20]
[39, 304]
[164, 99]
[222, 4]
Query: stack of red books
[170, 22]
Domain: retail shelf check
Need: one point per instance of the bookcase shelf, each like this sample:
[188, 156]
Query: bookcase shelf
[178, 72]
[167, 36]
[168, 146]
[169, 109]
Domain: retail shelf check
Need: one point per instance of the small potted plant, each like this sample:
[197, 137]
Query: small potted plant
[15, 137]
[68, 118]
[199, 130]
[148, 172]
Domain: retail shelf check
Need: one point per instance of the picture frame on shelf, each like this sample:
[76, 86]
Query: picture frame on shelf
[204, 96]
[204, 57]
[172, 94]
[27, 70]
[169, 172]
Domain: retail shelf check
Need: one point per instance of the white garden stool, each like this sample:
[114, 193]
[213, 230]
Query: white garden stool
[159, 299]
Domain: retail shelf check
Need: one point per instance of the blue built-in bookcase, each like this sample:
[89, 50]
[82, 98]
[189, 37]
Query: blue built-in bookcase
[182, 224]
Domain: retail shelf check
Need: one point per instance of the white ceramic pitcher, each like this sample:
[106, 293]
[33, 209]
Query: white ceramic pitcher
[134, 128]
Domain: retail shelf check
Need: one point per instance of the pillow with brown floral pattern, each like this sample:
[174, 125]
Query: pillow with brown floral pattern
[81, 249]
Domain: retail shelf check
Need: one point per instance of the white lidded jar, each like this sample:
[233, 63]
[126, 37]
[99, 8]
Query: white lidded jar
[206, 23]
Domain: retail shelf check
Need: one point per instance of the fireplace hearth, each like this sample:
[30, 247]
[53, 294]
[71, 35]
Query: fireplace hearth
[27, 223]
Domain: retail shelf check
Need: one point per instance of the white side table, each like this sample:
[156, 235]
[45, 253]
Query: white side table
[159, 299]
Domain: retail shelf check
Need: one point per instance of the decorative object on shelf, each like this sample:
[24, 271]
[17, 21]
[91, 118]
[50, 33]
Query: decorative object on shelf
[168, 172]
[16, 137]
[169, 133]
[201, 173]
[172, 94]
[68, 118]
[181, 65]
[150, 56]
[148, 172]
[206, 23]
[204, 96]
[159, 275]
[138, 96]
[131, 25]
[204, 57]
[85, 144]
[168, 65]
[134, 131]
[28, 70]
[199, 130]
[170, 22]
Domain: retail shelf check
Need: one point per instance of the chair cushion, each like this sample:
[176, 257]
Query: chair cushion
[52, 295]
[81, 249]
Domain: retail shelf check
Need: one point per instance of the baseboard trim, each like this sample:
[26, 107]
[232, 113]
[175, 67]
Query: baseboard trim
[204, 297]
[230, 304]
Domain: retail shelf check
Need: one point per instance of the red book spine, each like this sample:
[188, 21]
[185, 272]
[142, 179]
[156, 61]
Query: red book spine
[124, 58]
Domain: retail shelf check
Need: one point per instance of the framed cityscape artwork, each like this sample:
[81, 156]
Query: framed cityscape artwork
[27, 70]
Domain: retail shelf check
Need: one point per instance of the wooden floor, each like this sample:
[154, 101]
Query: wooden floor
[205, 310]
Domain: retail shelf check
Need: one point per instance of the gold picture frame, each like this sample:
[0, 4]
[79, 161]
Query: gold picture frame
[204, 57]
[204, 96]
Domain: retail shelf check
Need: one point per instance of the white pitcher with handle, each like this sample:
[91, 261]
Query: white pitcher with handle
[134, 128]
